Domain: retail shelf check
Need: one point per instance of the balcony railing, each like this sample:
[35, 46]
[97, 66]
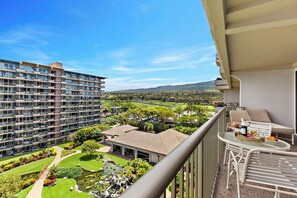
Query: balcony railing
[195, 162]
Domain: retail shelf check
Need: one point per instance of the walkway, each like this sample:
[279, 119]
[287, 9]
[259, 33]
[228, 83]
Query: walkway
[36, 191]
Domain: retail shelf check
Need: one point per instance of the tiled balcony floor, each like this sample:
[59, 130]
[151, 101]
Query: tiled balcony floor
[246, 192]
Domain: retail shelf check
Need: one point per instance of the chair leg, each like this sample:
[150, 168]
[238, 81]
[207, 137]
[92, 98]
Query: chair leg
[228, 172]
[276, 194]
[225, 154]
[238, 183]
[293, 139]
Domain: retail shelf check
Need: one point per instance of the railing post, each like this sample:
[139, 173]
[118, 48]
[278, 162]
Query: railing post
[200, 170]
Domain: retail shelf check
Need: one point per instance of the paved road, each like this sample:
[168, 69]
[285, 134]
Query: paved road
[36, 191]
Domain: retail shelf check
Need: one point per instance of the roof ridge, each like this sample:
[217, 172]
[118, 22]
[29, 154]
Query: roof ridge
[163, 142]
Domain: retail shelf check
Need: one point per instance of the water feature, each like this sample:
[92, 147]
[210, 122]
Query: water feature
[90, 181]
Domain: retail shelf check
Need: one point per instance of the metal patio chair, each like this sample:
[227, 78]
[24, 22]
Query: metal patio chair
[266, 169]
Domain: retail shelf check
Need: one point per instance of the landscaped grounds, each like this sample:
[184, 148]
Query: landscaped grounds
[62, 189]
[32, 167]
[90, 162]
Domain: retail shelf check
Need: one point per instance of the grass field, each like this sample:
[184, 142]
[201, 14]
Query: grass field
[160, 103]
[89, 162]
[32, 167]
[24, 193]
[61, 189]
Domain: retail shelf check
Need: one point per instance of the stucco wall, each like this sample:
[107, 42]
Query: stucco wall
[231, 96]
[270, 90]
[154, 157]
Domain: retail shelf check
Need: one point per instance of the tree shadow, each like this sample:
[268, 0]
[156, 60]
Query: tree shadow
[88, 157]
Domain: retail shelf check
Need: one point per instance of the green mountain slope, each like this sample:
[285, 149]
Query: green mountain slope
[201, 86]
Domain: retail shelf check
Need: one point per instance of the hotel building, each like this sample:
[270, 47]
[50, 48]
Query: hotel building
[41, 105]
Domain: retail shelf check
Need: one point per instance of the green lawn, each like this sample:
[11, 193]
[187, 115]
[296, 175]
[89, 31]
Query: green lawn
[32, 167]
[61, 189]
[159, 103]
[24, 193]
[89, 162]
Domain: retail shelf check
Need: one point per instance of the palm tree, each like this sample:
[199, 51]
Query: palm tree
[149, 127]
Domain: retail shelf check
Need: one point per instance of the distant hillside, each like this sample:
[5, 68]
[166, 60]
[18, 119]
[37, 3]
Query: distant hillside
[202, 86]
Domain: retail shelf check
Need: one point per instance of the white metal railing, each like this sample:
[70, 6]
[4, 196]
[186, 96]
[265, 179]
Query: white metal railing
[189, 170]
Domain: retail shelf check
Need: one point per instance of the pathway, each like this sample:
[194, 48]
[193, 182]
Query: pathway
[36, 191]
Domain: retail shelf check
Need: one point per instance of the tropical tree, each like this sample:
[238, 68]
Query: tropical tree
[149, 127]
[86, 133]
[135, 114]
[179, 110]
[190, 108]
[10, 185]
[164, 113]
[90, 146]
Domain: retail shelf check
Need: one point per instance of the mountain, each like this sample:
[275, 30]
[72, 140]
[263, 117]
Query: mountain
[201, 86]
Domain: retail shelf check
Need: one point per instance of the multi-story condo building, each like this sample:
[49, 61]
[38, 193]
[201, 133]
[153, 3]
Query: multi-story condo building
[41, 105]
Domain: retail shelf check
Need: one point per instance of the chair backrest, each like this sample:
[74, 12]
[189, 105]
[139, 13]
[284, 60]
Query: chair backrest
[235, 116]
[258, 115]
[271, 167]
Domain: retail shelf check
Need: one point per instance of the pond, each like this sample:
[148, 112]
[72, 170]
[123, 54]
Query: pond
[89, 181]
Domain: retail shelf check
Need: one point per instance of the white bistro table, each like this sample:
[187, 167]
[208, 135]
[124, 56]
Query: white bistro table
[229, 138]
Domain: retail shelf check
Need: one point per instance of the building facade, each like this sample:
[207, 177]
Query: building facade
[41, 105]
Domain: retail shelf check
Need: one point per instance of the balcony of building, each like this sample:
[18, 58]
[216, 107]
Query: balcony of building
[200, 160]
[256, 43]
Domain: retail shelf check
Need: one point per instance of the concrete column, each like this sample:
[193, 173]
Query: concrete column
[123, 151]
[135, 154]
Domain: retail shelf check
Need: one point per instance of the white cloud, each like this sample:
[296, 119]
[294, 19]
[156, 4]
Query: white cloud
[122, 53]
[122, 68]
[27, 42]
[25, 35]
[151, 79]
[131, 70]
[183, 54]
[124, 83]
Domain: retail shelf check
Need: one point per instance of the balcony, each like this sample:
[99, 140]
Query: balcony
[199, 159]
[221, 84]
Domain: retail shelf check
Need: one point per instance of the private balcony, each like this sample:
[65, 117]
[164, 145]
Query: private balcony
[199, 160]
[221, 84]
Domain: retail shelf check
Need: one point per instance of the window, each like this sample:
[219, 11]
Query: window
[27, 68]
[42, 70]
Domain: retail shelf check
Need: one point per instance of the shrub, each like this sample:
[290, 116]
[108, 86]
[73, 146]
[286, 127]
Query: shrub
[7, 167]
[159, 127]
[186, 129]
[28, 182]
[67, 172]
[50, 180]
[17, 163]
[67, 152]
[69, 146]
[10, 185]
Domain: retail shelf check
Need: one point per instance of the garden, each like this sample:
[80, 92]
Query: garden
[19, 173]
[96, 174]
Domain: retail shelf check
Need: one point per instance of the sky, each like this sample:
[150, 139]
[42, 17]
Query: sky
[135, 44]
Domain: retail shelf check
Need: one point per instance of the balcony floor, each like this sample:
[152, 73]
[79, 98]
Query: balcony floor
[246, 192]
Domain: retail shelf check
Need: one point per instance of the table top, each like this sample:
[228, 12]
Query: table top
[230, 138]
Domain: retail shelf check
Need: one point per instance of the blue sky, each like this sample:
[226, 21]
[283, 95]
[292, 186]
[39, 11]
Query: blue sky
[134, 44]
